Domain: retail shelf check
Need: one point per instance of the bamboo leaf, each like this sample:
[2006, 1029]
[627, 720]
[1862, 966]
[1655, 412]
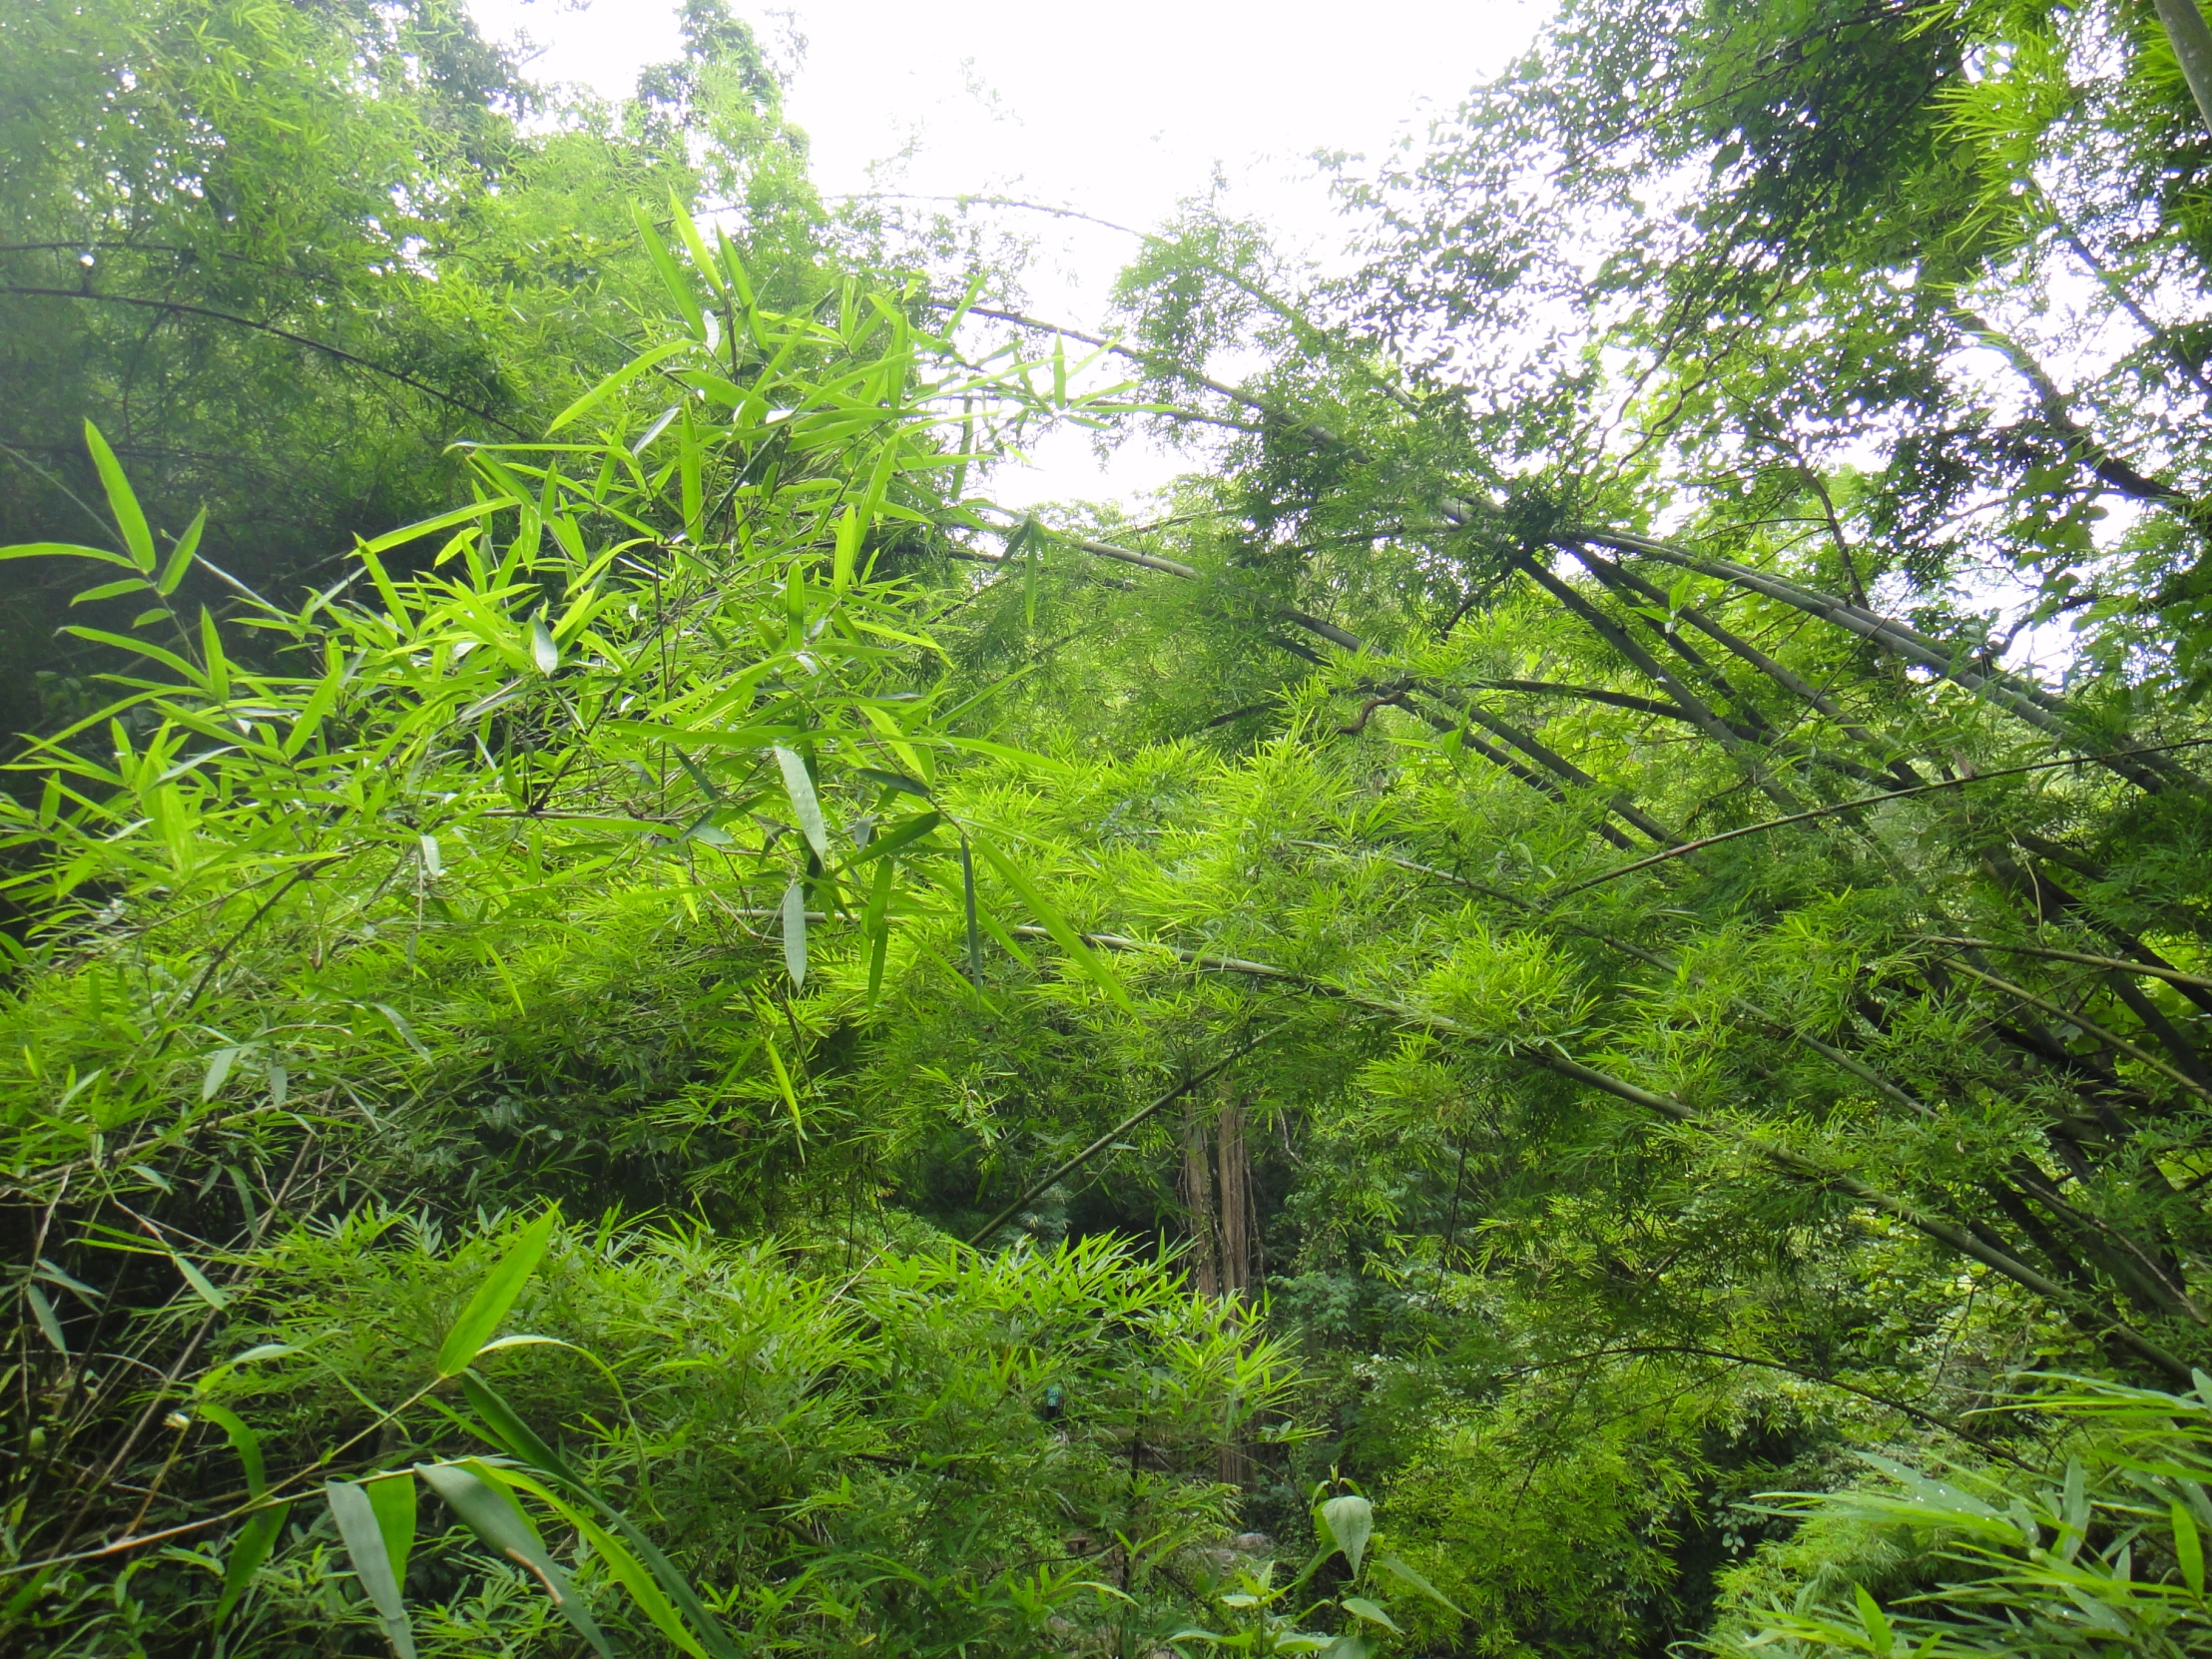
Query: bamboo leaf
[391, 1498]
[244, 1441]
[248, 1551]
[112, 589]
[805, 807]
[517, 1437]
[2188, 1548]
[49, 1325]
[130, 519]
[617, 380]
[428, 526]
[361, 1532]
[968, 905]
[64, 550]
[876, 927]
[1054, 923]
[495, 1296]
[491, 1512]
[202, 1287]
[179, 561]
[670, 275]
[1406, 1575]
[794, 932]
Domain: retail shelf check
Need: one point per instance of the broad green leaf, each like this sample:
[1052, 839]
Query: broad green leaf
[876, 927]
[1372, 1611]
[479, 1321]
[391, 1498]
[543, 650]
[248, 1551]
[2188, 1548]
[244, 1441]
[49, 1324]
[617, 380]
[1347, 1522]
[179, 561]
[1406, 1575]
[794, 932]
[805, 807]
[1869, 1615]
[1054, 923]
[64, 550]
[491, 1512]
[130, 519]
[516, 1437]
[363, 1537]
[202, 1287]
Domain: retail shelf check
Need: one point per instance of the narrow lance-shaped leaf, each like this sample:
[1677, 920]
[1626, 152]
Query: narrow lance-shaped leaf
[179, 561]
[620, 1560]
[494, 1516]
[130, 518]
[244, 1441]
[784, 1083]
[670, 275]
[876, 927]
[248, 1551]
[514, 1436]
[794, 932]
[800, 786]
[1406, 1575]
[967, 902]
[480, 1318]
[363, 1537]
[1063, 935]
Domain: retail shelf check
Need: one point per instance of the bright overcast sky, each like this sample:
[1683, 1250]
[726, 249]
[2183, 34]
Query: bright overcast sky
[1117, 110]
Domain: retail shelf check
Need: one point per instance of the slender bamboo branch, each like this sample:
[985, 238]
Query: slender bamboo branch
[180, 309]
[1869, 801]
[2082, 1022]
[2171, 975]
[1119, 1130]
[1966, 1242]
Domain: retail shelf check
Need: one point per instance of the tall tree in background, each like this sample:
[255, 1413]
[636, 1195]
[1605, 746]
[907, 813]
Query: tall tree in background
[284, 256]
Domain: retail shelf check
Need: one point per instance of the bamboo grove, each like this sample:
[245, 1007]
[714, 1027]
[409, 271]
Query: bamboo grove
[1511, 1022]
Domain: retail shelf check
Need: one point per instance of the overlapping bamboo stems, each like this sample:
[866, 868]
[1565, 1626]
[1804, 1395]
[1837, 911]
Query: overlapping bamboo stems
[2027, 702]
[2158, 1290]
[1971, 1241]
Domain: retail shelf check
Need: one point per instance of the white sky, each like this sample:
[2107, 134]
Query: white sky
[1116, 111]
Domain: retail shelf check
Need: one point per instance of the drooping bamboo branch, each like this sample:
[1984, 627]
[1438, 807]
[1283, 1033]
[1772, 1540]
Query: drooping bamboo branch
[1967, 1242]
[2027, 703]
